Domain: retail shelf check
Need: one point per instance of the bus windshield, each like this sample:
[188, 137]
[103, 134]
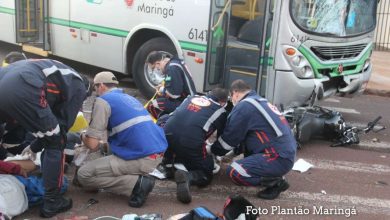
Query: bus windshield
[340, 18]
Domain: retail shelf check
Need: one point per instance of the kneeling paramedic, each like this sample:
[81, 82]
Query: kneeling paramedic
[258, 130]
[136, 142]
[44, 97]
[187, 130]
[177, 85]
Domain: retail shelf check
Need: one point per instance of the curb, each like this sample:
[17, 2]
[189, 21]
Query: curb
[377, 92]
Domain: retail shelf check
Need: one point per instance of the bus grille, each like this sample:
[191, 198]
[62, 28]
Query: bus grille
[344, 52]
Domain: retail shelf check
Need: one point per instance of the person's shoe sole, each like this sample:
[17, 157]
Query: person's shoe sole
[283, 188]
[51, 214]
[183, 187]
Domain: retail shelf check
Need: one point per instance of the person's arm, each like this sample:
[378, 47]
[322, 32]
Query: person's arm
[11, 168]
[98, 126]
[173, 87]
[219, 124]
[23, 167]
[234, 133]
[50, 137]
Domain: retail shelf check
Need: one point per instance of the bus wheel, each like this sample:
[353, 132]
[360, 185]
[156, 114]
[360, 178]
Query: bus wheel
[145, 78]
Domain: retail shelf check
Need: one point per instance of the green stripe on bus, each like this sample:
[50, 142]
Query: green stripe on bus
[91, 27]
[269, 61]
[5, 10]
[59, 21]
[99, 29]
[193, 46]
[120, 33]
[117, 32]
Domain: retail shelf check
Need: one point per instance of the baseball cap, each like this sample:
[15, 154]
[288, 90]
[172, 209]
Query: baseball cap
[105, 77]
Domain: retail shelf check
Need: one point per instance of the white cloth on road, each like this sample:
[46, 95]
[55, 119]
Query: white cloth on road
[302, 166]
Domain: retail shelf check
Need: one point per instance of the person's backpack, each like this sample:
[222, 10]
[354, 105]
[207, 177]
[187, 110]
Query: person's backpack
[237, 205]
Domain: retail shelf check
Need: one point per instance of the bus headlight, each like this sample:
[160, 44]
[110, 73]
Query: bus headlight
[299, 64]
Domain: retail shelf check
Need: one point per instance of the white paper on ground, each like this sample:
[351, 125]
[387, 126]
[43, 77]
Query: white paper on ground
[302, 166]
[156, 173]
[180, 166]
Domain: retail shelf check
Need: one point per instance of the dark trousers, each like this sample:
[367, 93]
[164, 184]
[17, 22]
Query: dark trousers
[193, 157]
[52, 168]
[249, 170]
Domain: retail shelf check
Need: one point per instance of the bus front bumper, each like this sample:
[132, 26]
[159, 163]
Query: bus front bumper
[292, 91]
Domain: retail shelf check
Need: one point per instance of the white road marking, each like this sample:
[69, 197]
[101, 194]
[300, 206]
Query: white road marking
[332, 100]
[349, 166]
[343, 110]
[362, 204]
[307, 199]
[377, 145]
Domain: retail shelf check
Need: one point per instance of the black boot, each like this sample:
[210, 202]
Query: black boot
[141, 190]
[183, 181]
[54, 203]
[272, 192]
[199, 178]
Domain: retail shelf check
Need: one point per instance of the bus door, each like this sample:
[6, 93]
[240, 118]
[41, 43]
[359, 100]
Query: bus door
[216, 43]
[238, 44]
[31, 25]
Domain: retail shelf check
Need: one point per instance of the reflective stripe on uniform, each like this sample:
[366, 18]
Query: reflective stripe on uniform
[212, 118]
[171, 95]
[69, 152]
[265, 114]
[185, 76]
[53, 69]
[129, 123]
[224, 144]
[239, 169]
[5, 145]
[40, 134]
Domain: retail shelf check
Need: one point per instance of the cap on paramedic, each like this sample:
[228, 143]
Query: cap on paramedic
[105, 77]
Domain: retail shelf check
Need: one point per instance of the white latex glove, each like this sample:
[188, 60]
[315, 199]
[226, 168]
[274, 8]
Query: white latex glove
[217, 166]
[28, 152]
[208, 147]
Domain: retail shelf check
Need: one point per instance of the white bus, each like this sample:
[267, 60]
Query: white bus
[291, 51]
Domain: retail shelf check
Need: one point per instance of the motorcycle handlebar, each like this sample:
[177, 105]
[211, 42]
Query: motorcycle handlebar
[372, 124]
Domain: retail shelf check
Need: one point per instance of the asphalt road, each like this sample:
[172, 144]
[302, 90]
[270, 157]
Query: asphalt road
[345, 183]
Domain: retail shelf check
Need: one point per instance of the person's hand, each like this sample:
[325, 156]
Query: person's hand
[159, 89]
[23, 172]
[28, 152]
[228, 157]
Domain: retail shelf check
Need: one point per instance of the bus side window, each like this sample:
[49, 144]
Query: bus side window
[245, 9]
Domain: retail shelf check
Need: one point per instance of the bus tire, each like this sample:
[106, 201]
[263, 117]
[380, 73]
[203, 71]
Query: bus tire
[139, 74]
